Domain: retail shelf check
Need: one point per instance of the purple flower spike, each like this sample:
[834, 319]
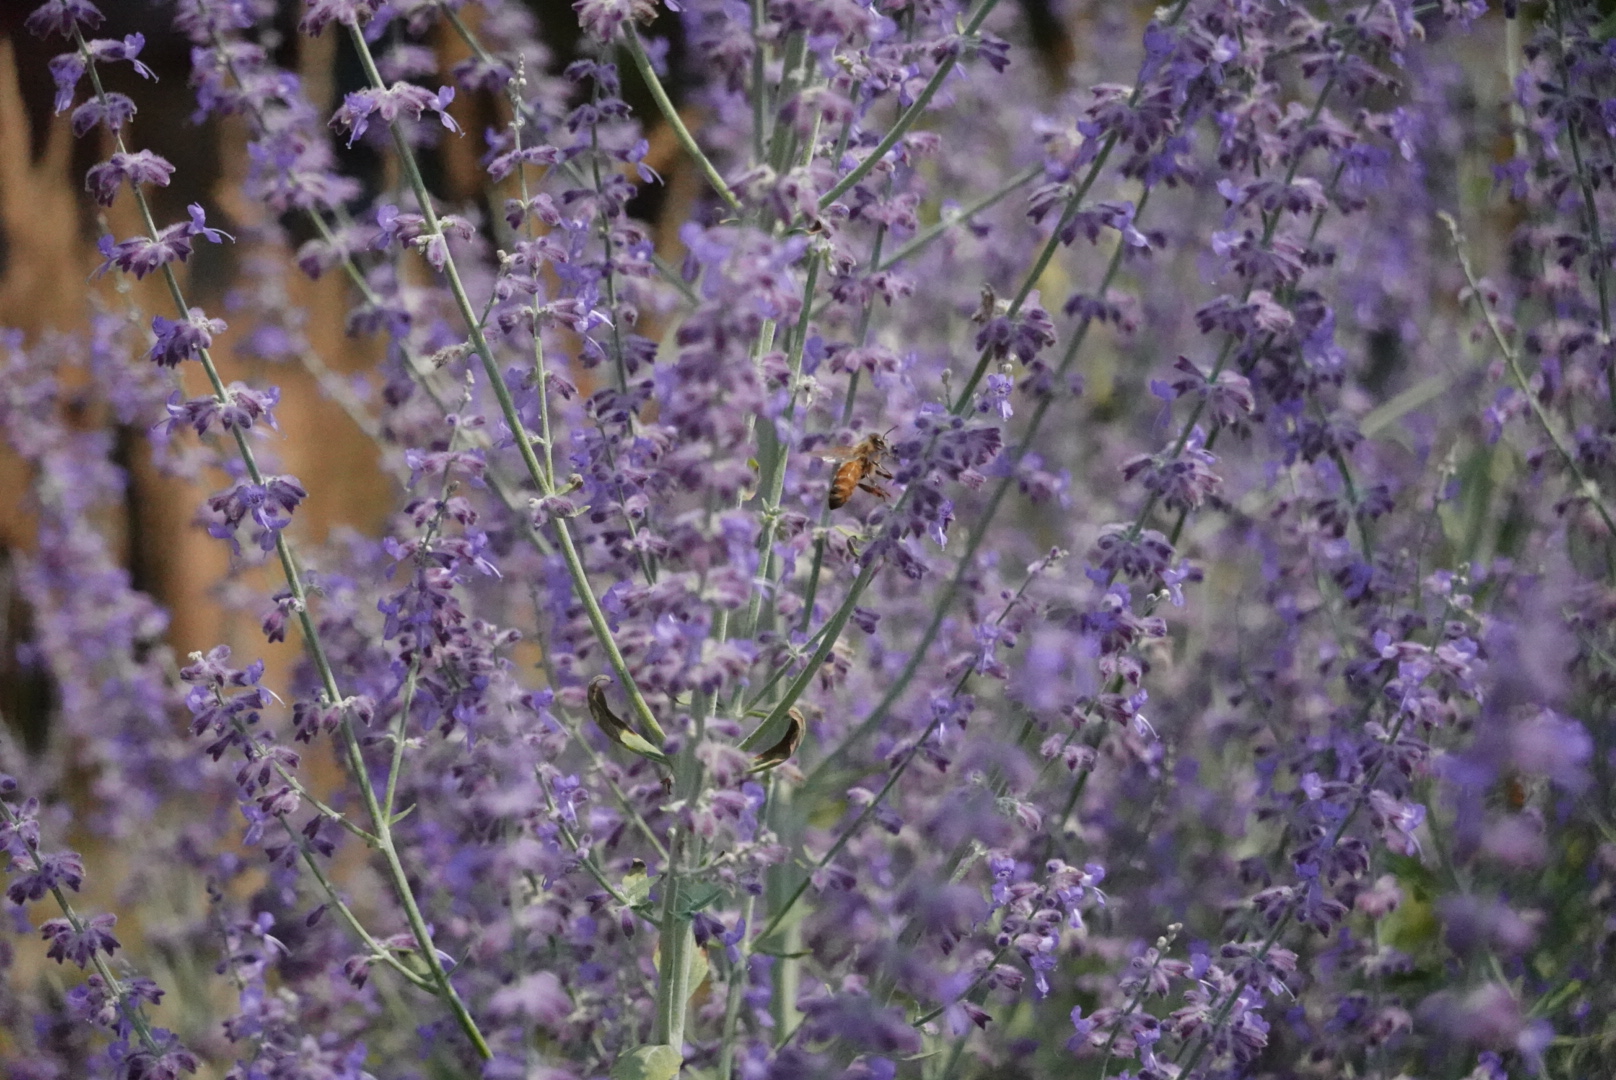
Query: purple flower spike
[142, 255]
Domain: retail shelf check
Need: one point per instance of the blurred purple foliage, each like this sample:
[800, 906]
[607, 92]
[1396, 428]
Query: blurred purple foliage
[1218, 684]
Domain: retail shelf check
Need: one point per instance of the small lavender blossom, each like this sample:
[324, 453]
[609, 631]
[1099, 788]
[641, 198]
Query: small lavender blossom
[386, 106]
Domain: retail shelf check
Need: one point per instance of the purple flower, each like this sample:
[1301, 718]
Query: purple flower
[111, 110]
[1387, 626]
[603, 19]
[861, 1023]
[63, 17]
[1228, 395]
[180, 340]
[170, 1061]
[1554, 746]
[66, 70]
[269, 505]
[1142, 557]
[80, 945]
[141, 255]
[140, 167]
[1025, 335]
[63, 869]
[109, 50]
[400, 99]
[1184, 482]
[537, 998]
[239, 411]
[322, 13]
[212, 670]
[502, 165]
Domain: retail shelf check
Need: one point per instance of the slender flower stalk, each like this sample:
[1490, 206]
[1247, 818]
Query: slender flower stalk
[496, 381]
[300, 605]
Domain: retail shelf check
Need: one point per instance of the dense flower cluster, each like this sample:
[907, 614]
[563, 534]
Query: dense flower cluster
[1027, 576]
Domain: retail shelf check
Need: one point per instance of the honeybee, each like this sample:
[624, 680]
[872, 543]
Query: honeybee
[859, 467]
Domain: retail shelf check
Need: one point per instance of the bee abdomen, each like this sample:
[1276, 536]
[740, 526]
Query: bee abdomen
[842, 485]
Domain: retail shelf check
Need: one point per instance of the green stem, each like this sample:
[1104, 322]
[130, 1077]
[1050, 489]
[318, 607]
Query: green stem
[858, 823]
[759, 135]
[740, 973]
[642, 64]
[1226, 1006]
[780, 134]
[987, 969]
[963, 214]
[1040, 264]
[334, 898]
[1585, 488]
[938, 228]
[673, 972]
[1599, 264]
[848, 399]
[775, 482]
[496, 482]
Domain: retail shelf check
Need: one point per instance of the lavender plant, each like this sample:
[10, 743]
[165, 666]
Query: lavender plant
[1107, 579]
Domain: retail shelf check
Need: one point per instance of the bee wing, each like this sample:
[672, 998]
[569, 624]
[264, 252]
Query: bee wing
[837, 453]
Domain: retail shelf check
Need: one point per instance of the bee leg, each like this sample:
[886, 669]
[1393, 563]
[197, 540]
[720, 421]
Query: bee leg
[874, 490]
[879, 471]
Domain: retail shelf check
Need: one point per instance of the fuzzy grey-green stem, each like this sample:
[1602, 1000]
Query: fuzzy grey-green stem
[770, 729]
[852, 830]
[377, 949]
[1226, 1006]
[733, 992]
[931, 232]
[1599, 265]
[1048, 252]
[1040, 264]
[673, 971]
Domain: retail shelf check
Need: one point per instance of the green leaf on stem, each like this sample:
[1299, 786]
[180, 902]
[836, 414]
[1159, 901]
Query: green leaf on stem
[615, 728]
[696, 897]
[649, 1063]
[636, 884]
